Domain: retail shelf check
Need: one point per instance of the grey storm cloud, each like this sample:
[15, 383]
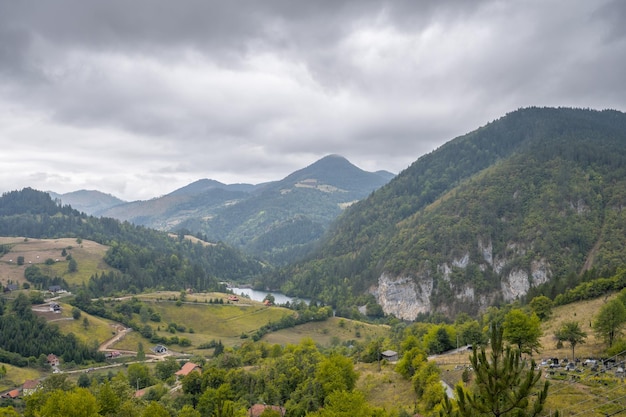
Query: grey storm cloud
[137, 98]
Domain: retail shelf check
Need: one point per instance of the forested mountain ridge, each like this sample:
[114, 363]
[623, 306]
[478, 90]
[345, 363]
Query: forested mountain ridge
[145, 258]
[530, 200]
[277, 220]
[281, 219]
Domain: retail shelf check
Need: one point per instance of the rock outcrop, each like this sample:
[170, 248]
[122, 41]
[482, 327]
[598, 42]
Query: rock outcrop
[407, 296]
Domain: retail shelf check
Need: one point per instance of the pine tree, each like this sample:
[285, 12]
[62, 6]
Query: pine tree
[504, 384]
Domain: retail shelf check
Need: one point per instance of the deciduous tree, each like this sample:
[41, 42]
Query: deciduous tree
[522, 330]
[542, 307]
[610, 320]
[571, 332]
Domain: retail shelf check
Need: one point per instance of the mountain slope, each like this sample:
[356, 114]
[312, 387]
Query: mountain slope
[87, 201]
[523, 201]
[283, 218]
[277, 221]
[168, 212]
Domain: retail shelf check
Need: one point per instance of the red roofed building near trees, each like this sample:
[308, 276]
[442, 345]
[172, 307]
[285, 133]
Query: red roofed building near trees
[30, 386]
[188, 368]
[53, 360]
[13, 394]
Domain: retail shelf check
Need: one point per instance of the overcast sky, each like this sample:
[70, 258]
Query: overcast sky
[137, 98]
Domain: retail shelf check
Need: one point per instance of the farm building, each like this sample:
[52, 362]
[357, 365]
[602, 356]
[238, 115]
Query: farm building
[390, 355]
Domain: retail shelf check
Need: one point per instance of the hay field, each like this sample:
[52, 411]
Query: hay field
[87, 254]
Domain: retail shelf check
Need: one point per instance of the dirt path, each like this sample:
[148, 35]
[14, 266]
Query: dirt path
[121, 332]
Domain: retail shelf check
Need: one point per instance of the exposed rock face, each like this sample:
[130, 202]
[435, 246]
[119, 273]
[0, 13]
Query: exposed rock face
[486, 250]
[515, 285]
[518, 282]
[402, 296]
[408, 296]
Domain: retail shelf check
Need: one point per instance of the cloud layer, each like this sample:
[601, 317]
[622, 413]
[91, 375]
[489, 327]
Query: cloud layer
[139, 98]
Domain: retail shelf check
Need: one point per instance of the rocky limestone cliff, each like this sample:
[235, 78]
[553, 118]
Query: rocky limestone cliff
[403, 297]
[407, 296]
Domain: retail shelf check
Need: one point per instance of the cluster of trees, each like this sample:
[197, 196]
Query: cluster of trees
[593, 288]
[306, 380]
[504, 384]
[41, 281]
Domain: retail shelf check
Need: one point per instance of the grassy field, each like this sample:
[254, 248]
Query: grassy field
[225, 322]
[385, 388]
[96, 330]
[228, 322]
[88, 256]
[16, 376]
[583, 312]
[333, 331]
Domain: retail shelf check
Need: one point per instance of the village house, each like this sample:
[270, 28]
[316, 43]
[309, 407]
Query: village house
[30, 386]
[11, 287]
[113, 354]
[13, 394]
[188, 368]
[55, 288]
[159, 349]
[53, 360]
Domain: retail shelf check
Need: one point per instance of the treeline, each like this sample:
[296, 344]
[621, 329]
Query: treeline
[25, 334]
[305, 314]
[593, 289]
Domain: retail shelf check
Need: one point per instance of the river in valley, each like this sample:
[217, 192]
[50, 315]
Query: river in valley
[258, 295]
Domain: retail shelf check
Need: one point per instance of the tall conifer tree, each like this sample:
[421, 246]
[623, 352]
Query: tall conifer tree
[504, 384]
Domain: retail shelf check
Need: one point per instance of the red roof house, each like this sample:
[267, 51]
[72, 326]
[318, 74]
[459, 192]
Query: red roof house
[30, 386]
[188, 368]
[13, 394]
[53, 360]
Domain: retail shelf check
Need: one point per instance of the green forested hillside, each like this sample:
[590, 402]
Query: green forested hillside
[539, 190]
[145, 258]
